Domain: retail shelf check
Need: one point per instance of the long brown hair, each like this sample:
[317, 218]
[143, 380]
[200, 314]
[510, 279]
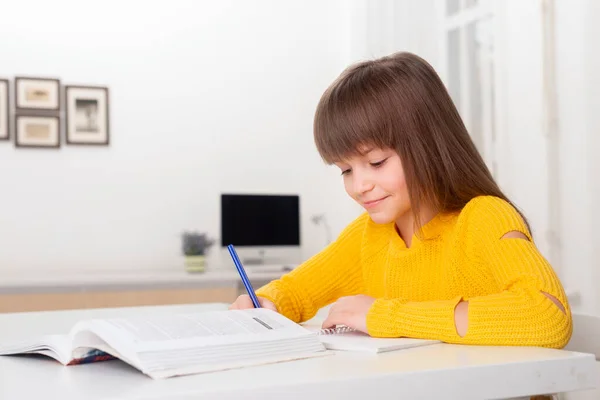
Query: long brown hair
[399, 102]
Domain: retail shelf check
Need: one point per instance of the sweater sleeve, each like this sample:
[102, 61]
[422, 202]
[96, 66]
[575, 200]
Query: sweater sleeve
[332, 273]
[518, 314]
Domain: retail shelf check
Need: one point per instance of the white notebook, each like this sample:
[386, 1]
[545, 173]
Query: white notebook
[346, 339]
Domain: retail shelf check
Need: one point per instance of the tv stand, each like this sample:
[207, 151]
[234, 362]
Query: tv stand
[253, 261]
[260, 260]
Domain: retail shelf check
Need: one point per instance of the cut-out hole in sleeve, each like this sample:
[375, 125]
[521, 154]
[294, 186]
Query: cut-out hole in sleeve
[521, 235]
[514, 235]
[555, 301]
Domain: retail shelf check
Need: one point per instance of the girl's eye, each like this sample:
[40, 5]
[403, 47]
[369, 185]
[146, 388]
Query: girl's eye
[346, 172]
[378, 163]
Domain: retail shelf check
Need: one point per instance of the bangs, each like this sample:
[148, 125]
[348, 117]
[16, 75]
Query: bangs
[355, 113]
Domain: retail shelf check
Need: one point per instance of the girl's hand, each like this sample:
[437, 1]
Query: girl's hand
[244, 301]
[350, 311]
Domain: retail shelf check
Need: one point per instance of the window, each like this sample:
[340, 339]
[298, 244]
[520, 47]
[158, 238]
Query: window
[469, 56]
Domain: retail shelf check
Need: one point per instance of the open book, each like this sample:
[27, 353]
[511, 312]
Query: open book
[170, 345]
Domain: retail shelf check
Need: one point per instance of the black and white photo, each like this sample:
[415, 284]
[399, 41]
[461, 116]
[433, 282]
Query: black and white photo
[87, 115]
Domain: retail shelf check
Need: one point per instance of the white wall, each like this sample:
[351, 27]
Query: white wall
[205, 97]
[592, 62]
[382, 27]
[521, 142]
[579, 125]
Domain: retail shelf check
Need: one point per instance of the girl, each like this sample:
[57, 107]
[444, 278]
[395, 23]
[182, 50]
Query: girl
[440, 253]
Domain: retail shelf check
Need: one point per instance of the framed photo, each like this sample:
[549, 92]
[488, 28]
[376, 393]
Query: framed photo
[37, 94]
[37, 131]
[87, 116]
[4, 110]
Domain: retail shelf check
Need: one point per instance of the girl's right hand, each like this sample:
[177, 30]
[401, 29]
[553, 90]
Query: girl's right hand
[244, 301]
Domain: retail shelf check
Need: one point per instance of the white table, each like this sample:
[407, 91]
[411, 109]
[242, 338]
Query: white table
[433, 372]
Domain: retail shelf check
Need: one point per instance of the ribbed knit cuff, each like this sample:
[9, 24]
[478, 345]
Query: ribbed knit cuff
[526, 318]
[422, 320]
[283, 299]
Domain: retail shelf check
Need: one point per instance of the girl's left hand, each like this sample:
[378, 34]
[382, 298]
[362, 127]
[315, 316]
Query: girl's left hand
[350, 311]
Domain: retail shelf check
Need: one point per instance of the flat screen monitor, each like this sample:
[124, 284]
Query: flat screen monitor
[260, 220]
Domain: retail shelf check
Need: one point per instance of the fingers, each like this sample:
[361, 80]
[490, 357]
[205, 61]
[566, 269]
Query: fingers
[264, 303]
[351, 312]
[241, 303]
[244, 302]
[336, 316]
[334, 320]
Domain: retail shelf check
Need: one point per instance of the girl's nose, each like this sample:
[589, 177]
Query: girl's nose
[363, 183]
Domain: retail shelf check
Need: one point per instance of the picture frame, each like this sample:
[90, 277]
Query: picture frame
[37, 131]
[35, 94]
[4, 109]
[87, 115]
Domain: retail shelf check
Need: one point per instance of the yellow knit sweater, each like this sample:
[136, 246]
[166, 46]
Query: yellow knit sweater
[458, 257]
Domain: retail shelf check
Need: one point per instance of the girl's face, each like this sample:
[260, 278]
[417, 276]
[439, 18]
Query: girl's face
[376, 181]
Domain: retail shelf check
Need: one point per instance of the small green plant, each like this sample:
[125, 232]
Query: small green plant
[195, 244]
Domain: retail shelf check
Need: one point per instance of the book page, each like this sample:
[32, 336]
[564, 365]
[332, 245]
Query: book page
[55, 346]
[202, 329]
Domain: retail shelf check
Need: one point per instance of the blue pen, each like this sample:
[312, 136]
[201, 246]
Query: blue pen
[240, 268]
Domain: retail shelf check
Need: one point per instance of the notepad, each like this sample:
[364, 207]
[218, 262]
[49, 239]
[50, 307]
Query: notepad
[346, 339]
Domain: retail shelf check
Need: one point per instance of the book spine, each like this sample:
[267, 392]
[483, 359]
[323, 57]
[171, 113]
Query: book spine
[92, 357]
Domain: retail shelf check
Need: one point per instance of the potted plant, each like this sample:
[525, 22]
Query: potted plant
[194, 246]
